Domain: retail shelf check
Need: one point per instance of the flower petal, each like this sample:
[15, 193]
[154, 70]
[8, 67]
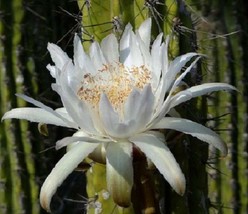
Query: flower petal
[120, 172]
[112, 124]
[134, 57]
[76, 108]
[37, 115]
[180, 78]
[156, 55]
[79, 136]
[53, 70]
[144, 32]
[174, 68]
[46, 108]
[192, 128]
[96, 56]
[109, 46]
[199, 90]
[81, 59]
[124, 43]
[163, 159]
[139, 107]
[62, 169]
[59, 57]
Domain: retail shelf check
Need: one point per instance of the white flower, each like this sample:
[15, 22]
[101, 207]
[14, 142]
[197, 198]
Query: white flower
[116, 97]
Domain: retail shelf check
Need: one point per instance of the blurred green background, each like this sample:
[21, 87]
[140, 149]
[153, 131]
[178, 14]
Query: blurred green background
[216, 28]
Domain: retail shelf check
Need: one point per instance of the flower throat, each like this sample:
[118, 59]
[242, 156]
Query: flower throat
[116, 81]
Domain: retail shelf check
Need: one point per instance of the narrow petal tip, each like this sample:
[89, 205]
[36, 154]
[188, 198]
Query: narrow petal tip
[44, 201]
[181, 186]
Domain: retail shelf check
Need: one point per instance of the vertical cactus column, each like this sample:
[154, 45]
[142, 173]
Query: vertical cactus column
[223, 32]
[17, 181]
[25, 30]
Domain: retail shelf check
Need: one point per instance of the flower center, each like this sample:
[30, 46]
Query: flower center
[116, 81]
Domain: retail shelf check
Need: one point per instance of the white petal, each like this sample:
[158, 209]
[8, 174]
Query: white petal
[175, 67]
[199, 90]
[139, 107]
[164, 81]
[145, 52]
[109, 46]
[62, 169]
[46, 108]
[96, 56]
[53, 70]
[112, 124]
[163, 159]
[180, 78]
[163, 106]
[120, 172]
[68, 140]
[62, 111]
[145, 32]
[192, 128]
[125, 42]
[81, 59]
[59, 57]
[156, 54]
[37, 115]
[134, 57]
[77, 109]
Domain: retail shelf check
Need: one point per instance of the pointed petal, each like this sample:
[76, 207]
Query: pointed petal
[156, 57]
[59, 57]
[46, 108]
[124, 43]
[120, 172]
[81, 59]
[199, 90]
[76, 108]
[62, 169]
[134, 57]
[139, 107]
[180, 78]
[110, 50]
[145, 32]
[37, 115]
[96, 56]
[145, 52]
[192, 128]
[160, 155]
[112, 124]
[175, 67]
[53, 70]
[78, 137]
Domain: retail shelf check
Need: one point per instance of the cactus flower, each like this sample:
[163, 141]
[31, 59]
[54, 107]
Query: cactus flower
[118, 96]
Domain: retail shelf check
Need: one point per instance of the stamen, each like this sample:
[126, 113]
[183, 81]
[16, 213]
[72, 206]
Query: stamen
[116, 81]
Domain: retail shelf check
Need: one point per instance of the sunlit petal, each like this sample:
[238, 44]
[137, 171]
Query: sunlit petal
[112, 123]
[144, 32]
[97, 56]
[163, 159]
[46, 108]
[81, 59]
[175, 67]
[199, 90]
[58, 56]
[139, 106]
[62, 169]
[120, 172]
[37, 115]
[68, 140]
[109, 46]
[192, 128]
